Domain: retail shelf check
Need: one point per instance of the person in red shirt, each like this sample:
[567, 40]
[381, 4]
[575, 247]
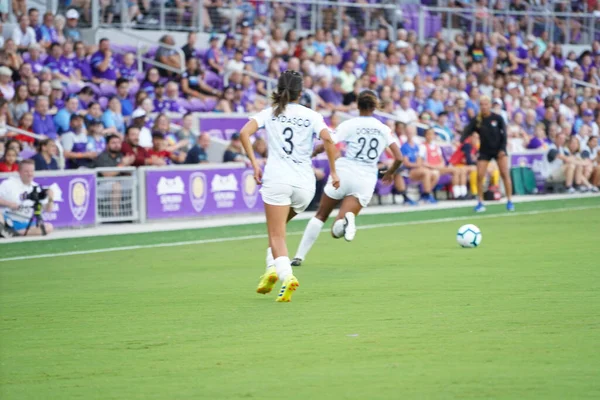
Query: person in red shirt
[159, 152]
[131, 146]
[9, 161]
[434, 160]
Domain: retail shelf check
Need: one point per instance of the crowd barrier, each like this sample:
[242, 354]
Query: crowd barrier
[149, 194]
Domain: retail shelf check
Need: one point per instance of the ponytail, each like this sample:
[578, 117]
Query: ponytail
[289, 88]
[280, 100]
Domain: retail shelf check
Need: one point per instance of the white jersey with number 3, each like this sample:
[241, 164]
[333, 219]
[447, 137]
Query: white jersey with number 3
[290, 139]
[366, 139]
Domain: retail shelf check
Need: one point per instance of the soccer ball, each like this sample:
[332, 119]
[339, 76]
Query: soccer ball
[468, 236]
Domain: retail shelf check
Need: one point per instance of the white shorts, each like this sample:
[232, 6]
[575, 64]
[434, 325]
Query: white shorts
[281, 194]
[354, 181]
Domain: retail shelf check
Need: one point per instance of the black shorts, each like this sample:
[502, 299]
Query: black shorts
[490, 154]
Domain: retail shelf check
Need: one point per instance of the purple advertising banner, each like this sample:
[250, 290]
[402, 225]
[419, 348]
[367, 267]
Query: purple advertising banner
[222, 128]
[178, 193]
[533, 160]
[74, 199]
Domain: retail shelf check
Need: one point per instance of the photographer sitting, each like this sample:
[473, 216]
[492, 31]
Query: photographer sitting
[18, 196]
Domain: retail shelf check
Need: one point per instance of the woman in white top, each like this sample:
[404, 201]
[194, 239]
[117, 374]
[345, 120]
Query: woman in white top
[366, 138]
[289, 180]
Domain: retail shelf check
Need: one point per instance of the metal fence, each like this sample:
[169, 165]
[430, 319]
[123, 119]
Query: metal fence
[117, 194]
[426, 19]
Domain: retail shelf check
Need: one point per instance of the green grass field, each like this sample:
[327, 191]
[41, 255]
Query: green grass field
[400, 313]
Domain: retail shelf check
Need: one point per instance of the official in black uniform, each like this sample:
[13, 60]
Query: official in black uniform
[492, 134]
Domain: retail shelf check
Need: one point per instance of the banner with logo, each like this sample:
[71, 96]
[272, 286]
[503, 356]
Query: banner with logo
[178, 193]
[533, 160]
[74, 199]
[222, 127]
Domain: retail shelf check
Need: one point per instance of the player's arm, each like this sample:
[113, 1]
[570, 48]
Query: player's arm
[248, 130]
[329, 145]
[389, 175]
[318, 150]
[469, 129]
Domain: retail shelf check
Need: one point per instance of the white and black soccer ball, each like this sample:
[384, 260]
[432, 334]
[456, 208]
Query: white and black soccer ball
[468, 236]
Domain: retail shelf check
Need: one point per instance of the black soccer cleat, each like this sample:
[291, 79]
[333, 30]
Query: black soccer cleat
[296, 262]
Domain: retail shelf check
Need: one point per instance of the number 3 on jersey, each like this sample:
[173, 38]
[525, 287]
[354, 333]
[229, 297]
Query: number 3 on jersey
[288, 134]
[373, 145]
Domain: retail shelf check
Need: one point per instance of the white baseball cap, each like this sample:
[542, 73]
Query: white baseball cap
[138, 113]
[72, 14]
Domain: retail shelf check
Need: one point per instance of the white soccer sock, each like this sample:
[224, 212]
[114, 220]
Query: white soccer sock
[311, 233]
[463, 190]
[283, 267]
[456, 191]
[270, 259]
[338, 228]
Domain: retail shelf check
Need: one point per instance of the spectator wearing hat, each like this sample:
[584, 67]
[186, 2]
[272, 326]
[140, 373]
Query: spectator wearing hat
[6, 86]
[587, 118]
[74, 144]
[62, 119]
[144, 136]
[260, 64]
[45, 157]
[214, 56]
[71, 31]
[23, 35]
[234, 152]
[42, 121]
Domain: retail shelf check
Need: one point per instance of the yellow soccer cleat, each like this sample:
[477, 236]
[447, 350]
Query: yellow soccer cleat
[288, 288]
[267, 281]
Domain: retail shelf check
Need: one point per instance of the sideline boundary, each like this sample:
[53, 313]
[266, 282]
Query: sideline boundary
[295, 233]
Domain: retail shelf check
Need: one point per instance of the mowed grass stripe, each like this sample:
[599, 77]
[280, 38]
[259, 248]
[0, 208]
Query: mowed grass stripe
[423, 215]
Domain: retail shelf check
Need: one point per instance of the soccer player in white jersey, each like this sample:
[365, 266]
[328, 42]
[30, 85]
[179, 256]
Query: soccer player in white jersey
[288, 184]
[366, 138]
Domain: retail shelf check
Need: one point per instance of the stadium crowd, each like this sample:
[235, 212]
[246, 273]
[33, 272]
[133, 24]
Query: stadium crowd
[90, 103]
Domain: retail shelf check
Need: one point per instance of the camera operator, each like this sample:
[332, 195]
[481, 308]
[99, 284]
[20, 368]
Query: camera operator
[17, 199]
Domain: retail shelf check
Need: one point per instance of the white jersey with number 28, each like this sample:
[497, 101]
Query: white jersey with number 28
[290, 139]
[366, 139]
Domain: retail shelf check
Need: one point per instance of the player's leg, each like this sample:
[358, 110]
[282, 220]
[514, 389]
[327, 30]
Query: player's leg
[277, 217]
[313, 228]
[502, 161]
[569, 172]
[482, 166]
[422, 175]
[345, 224]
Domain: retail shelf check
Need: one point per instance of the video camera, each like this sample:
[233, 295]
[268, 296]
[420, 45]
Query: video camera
[37, 194]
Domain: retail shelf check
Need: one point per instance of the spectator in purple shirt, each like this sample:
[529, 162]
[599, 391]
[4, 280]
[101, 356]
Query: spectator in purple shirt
[82, 62]
[103, 64]
[172, 97]
[56, 63]
[333, 96]
[47, 34]
[521, 54]
[42, 122]
[214, 56]
[128, 69]
[35, 58]
[151, 82]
